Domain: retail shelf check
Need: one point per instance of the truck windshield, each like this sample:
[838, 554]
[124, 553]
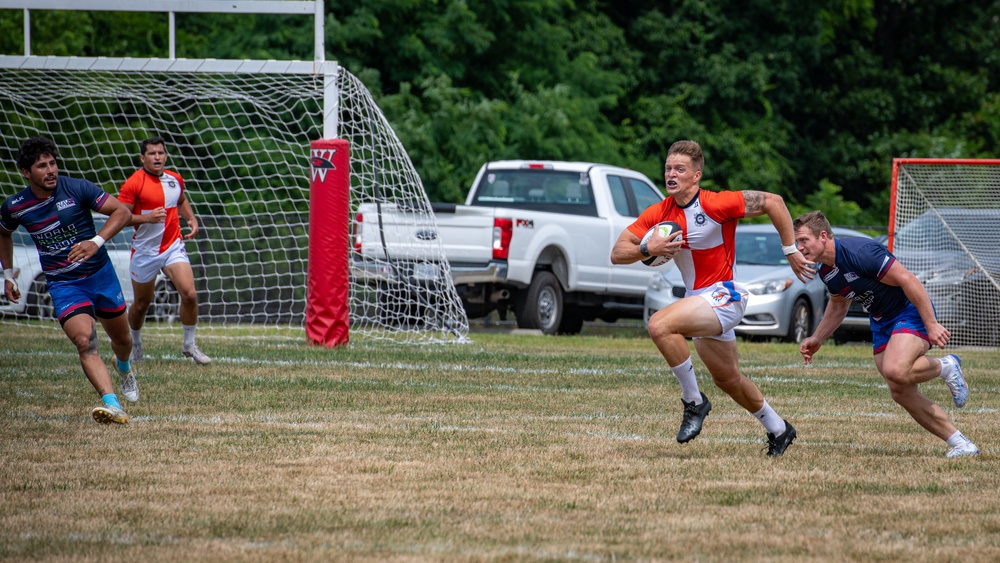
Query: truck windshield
[537, 190]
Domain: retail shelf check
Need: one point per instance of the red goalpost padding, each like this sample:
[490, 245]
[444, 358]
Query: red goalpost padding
[327, 298]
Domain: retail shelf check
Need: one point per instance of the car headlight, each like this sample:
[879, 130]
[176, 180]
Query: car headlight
[769, 287]
[657, 282]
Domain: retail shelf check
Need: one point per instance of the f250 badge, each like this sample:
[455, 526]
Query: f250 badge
[525, 223]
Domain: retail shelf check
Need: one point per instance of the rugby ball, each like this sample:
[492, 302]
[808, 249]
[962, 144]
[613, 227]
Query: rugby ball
[666, 229]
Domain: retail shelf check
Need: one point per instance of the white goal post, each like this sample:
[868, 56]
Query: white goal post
[943, 227]
[239, 133]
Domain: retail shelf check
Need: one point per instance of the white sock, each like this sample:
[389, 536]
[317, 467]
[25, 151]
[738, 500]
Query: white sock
[136, 337]
[957, 439]
[188, 334]
[770, 419]
[947, 366]
[689, 383]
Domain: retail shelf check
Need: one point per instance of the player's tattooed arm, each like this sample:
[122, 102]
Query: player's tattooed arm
[754, 202]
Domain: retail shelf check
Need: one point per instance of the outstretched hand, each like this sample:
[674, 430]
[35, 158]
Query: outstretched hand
[804, 269]
[808, 348]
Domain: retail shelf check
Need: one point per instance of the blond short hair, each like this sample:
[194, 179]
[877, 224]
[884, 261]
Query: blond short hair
[691, 150]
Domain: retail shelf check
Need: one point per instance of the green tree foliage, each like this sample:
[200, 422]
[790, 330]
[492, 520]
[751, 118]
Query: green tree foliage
[811, 100]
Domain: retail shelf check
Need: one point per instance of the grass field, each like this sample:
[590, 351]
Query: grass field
[516, 447]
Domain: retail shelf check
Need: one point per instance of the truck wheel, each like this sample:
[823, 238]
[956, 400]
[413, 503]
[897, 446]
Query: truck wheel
[572, 322]
[541, 305]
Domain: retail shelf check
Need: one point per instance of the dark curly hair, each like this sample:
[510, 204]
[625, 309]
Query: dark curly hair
[34, 148]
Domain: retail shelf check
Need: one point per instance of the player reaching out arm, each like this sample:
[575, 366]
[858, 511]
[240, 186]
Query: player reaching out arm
[902, 321]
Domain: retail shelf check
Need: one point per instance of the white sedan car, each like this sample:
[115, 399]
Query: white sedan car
[35, 302]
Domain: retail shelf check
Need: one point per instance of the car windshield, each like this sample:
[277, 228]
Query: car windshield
[928, 232]
[537, 190]
[759, 249]
[764, 249]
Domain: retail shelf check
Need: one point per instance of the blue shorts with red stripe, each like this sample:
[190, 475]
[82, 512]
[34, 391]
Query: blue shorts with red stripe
[98, 295]
[908, 321]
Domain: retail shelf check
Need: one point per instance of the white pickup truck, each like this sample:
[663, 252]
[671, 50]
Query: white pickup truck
[534, 237]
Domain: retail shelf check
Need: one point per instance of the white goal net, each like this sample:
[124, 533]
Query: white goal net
[943, 229]
[239, 133]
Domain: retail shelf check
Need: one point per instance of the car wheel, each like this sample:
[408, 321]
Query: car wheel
[801, 322]
[39, 302]
[540, 305]
[166, 306]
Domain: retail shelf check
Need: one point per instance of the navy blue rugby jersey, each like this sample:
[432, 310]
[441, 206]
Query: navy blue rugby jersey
[858, 268]
[58, 222]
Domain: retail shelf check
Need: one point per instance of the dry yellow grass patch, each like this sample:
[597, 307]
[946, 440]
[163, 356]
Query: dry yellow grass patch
[513, 448]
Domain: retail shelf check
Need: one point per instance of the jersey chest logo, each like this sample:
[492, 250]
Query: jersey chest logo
[170, 184]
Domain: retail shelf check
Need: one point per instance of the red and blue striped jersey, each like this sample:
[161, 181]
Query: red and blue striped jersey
[58, 222]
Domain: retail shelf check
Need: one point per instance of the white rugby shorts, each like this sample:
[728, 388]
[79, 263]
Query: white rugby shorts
[145, 267]
[729, 301]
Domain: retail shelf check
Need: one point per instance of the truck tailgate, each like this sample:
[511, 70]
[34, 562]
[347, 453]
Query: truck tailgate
[463, 234]
[466, 233]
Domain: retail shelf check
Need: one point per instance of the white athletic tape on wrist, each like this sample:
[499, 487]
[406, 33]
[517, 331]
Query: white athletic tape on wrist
[98, 240]
[8, 274]
[790, 249]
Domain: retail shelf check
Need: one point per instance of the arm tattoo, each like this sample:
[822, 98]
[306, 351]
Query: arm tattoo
[754, 202]
[92, 345]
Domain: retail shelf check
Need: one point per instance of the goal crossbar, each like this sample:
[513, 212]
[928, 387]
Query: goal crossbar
[329, 70]
[301, 7]
[171, 7]
[127, 64]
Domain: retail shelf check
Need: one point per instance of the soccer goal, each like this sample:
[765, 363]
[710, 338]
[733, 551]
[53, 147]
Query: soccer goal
[239, 132]
[943, 227]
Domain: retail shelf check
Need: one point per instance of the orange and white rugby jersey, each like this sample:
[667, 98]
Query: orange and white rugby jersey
[145, 192]
[709, 226]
